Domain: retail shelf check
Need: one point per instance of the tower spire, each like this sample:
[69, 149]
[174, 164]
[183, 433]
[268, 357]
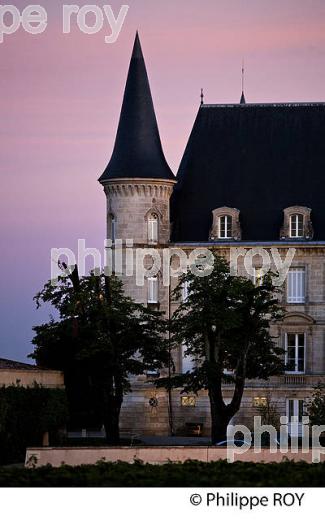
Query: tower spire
[137, 150]
[202, 97]
[242, 99]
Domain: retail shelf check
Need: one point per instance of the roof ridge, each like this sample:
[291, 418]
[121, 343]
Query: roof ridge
[281, 104]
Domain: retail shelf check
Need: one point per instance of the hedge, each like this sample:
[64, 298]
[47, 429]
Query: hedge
[189, 474]
[25, 415]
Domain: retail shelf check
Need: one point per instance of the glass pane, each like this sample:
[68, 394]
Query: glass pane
[291, 340]
[301, 409]
[301, 365]
[290, 409]
[300, 225]
[229, 225]
[222, 227]
[301, 340]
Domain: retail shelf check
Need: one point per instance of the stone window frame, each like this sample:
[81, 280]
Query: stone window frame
[234, 213]
[308, 231]
[153, 211]
[297, 323]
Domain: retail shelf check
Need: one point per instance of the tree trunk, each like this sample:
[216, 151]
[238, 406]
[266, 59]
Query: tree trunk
[220, 417]
[219, 428]
[111, 423]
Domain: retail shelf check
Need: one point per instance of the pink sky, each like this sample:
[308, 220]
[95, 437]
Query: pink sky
[60, 102]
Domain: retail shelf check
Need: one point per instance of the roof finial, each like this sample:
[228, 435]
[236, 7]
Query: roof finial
[202, 97]
[242, 99]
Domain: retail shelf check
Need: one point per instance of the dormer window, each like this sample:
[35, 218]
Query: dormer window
[225, 224]
[153, 228]
[297, 223]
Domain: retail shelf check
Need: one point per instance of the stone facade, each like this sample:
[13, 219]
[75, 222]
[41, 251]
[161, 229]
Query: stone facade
[223, 193]
[307, 318]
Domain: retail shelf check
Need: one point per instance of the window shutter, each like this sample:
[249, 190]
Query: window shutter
[296, 285]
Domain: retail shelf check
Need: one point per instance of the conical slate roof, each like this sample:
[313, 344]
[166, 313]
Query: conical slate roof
[137, 151]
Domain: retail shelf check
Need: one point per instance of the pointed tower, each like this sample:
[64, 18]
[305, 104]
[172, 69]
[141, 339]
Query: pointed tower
[242, 99]
[137, 180]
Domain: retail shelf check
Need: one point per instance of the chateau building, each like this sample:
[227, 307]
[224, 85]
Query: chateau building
[252, 175]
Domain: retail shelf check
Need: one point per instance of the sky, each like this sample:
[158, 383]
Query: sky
[60, 100]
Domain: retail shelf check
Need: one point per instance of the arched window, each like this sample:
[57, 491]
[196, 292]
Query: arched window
[225, 226]
[153, 228]
[296, 225]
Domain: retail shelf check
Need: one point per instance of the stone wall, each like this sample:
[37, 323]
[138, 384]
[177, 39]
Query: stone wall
[47, 378]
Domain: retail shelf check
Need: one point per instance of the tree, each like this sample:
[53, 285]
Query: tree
[224, 324]
[316, 408]
[102, 337]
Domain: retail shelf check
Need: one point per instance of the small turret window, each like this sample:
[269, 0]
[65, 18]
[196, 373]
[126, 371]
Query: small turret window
[113, 228]
[153, 228]
[225, 226]
[153, 289]
[296, 225]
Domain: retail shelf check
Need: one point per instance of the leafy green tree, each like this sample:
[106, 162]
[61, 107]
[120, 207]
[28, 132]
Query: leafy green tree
[316, 408]
[101, 336]
[224, 324]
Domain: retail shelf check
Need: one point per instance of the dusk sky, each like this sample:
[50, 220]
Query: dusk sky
[60, 100]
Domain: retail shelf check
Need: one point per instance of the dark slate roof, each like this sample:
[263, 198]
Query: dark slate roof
[137, 151]
[259, 158]
[6, 364]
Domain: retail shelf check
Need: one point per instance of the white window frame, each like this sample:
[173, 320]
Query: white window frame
[153, 228]
[294, 225]
[226, 236]
[295, 413]
[153, 289]
[296, 347]
[296, 285]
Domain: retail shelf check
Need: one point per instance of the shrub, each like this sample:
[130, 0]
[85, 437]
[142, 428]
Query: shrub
[190, 474]
[25, 415]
